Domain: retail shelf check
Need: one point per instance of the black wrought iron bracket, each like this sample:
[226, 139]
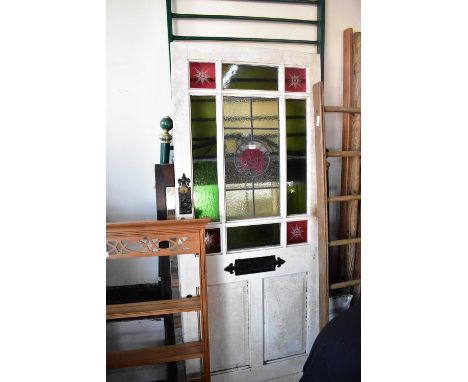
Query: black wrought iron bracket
[254, 265]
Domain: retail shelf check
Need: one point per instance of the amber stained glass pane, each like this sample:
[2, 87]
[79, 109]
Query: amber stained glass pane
[205, 176]
[297, 156]
[250, 77]
[263, 235]
[251, 150]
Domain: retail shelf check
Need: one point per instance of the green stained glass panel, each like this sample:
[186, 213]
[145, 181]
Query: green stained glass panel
[296, 135]
[263, 235]
[250, 77]
[205, 176]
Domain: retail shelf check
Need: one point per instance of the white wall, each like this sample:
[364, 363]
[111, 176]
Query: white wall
[138, 86]
[138, 96]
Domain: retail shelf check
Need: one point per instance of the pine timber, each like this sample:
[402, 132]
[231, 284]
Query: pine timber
[346, 130]
[204, 308]
[344, 154]
[353, 240]
[345, 284]
[161, 238]
[152, 308]
[322, 212]
[154, 355]
[339, 109]
[357, 264]
[344, 198]
[354, 176]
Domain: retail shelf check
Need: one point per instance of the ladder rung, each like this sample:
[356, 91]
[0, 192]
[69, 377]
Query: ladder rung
[335, 243]
[155, 355]
[345, 284]
[343, 154]
[152, 308]
[341, 109]
[343, 198]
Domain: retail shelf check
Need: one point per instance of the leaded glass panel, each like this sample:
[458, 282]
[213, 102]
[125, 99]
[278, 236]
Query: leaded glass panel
[251, 149]
[245, 237]
[205, 176]
[250, 77]
[296, 134]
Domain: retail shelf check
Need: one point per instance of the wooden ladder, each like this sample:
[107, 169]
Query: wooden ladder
[323, 200]
[161, 238]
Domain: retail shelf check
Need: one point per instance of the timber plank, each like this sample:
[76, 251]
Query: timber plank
[152, 308]
[155, 355]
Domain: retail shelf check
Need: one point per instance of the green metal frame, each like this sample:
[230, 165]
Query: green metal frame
[320, 23]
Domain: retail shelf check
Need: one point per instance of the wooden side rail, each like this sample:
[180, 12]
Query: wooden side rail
[153, 238]
[343, 198]
[334, 154]
[155, 355]
[345, 284]
[342, 109]
[152, 308]
[335, 243]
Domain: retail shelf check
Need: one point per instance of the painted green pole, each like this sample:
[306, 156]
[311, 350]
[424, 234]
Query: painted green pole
[166, 126]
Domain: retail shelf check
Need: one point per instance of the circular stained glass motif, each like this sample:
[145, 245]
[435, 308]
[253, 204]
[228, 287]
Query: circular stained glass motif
[252, 158]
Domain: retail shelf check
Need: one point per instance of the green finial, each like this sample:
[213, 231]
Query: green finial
[165, 137]
[166, 123]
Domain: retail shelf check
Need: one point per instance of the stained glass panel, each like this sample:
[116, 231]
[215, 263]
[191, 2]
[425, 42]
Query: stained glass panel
[297, 232]
[263, 235]
[296, 135]
[294, 80]
[212, 240]
[251, 149]
[250, 77]
[205, 176]
[202, 75]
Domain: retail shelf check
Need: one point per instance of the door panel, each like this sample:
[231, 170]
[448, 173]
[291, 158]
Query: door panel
[284, 315]
[229, 328]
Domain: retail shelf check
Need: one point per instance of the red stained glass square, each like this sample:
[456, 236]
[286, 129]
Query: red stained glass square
[297, 232]
[212, 240]
[294, 80]
[202, 75]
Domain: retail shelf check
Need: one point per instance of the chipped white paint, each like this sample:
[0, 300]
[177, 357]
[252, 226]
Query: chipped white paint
[265, 316]
[284, 315]
[229, 325]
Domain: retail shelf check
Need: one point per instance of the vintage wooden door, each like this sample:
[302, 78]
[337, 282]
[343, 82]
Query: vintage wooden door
[243, 135]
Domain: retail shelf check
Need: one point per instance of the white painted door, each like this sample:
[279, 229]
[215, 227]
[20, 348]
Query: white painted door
[243, 134]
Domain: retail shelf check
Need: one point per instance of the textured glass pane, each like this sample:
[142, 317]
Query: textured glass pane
[212, 240]
[205, 176]
[253, 236]
[250, 77]
[297, 158]
[294, 80]
[202, 75]
[239, 204]
[251, 150]
[297, 232]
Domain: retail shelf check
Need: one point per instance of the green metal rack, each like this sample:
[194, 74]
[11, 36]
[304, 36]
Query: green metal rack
[319, 23]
